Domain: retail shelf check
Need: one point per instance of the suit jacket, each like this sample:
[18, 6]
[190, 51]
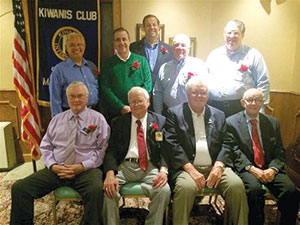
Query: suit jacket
[239, 140]
[120, 140]
[180, 147]
[138, 47]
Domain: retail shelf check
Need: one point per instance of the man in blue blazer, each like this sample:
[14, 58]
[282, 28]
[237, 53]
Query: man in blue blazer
[194, 134]
[260, 159]
[123, 160]
[156, 51]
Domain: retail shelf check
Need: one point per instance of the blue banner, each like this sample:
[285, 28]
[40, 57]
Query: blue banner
[54, 20]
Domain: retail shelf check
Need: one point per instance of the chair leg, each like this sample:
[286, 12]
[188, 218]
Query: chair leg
[54, 211]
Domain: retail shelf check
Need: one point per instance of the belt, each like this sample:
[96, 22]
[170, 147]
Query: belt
[135, 160]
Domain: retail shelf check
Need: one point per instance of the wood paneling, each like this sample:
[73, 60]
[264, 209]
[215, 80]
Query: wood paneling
[285, 106]
[10, 111]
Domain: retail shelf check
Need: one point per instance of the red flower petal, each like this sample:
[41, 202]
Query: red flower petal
[155, 126]
[136, 65]
[92, 127]
[190, 74]
[243, 68]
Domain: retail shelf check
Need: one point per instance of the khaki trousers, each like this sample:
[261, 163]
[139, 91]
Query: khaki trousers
[231, 187]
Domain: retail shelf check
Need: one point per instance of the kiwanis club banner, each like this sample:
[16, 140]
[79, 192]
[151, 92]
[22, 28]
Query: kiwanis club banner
[54, 20]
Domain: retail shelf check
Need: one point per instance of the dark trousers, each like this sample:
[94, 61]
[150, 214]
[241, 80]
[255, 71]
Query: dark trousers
[88, 184]
[282, 188]
[229, 107]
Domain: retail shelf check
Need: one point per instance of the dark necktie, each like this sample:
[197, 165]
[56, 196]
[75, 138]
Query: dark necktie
[143, 161]
[70, 149]
[258, 151]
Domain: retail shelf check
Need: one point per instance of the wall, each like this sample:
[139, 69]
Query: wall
[272, 27]
[6, 43]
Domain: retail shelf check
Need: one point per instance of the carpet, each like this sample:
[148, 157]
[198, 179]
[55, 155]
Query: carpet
[70, 213]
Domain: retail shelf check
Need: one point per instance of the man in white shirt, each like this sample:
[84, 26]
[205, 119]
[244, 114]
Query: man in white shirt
[194, 134]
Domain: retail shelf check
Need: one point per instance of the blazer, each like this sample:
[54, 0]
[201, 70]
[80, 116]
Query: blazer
[239, 140]
[120, 140]
[180, 147]
[138, 47]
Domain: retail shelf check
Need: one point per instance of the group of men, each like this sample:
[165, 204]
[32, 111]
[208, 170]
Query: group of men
[182, 147]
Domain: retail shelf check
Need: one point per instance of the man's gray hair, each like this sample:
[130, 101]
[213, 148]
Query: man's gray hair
[182, 38]
[239, 23]
[196, 81]
[134, 89]
[75, 84]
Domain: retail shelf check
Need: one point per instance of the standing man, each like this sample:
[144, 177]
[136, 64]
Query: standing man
[72, 150]
[169, 89]
[134, 155]
[256, 141]
[74, 68]
[120, 73]
[194, 134]
[156, 51]
[233, 69]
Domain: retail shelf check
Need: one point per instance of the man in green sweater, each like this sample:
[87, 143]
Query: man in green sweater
[120, 73]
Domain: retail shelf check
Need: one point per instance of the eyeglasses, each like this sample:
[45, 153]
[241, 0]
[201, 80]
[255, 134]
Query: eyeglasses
[199, 93]
[251, 100]
[137, 102]
[80, 96]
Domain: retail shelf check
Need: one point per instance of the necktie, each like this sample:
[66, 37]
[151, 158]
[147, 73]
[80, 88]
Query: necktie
[70, 149]
[258, 151]
[143, 161]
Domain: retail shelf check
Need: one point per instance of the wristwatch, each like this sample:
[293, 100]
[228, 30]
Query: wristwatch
[164, 170]
[248, 167]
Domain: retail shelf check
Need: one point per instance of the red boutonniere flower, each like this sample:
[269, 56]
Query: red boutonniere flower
[190, 75]
[96, 72]
[135, 65]
[163, 50]
[91, 128]
[243, 68]
[154, 126]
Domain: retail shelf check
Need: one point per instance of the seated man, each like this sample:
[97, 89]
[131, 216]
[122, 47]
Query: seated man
[196, 158]
[260, 159]
[72, 150]
[134, 155]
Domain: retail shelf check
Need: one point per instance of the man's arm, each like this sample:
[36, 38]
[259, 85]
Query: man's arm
[56, 92]
[146, 75]
[158, 92]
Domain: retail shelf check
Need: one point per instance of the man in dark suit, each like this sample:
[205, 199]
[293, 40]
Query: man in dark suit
[133, 156]
[156, 51]
[260, 159]
[194, 134]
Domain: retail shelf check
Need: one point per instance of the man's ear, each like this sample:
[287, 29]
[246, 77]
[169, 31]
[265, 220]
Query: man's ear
[243, 102]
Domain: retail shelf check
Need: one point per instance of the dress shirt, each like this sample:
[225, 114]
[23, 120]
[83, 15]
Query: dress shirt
[133, 151]
[228, 82]
[169, 88]
[202, 157]
[124, 60]
[65, 73]
[89, 148]
[151, 53]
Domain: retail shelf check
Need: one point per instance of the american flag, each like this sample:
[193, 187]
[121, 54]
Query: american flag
[24, 84]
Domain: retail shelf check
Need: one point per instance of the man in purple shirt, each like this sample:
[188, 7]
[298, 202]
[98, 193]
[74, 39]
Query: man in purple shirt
[91, 133]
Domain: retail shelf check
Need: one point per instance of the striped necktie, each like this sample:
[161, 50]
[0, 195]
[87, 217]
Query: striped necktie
[258, 151]
[70, 148]
[143, 161]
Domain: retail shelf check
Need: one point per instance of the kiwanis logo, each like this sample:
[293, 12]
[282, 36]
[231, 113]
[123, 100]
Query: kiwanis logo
[59, 41]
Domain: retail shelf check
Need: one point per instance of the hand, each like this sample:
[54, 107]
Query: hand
[160, 180]
[214, 177]
[258, 173]
[125, 109]
[67, 171]
[111, 184]
[196, 175]
[269, 174]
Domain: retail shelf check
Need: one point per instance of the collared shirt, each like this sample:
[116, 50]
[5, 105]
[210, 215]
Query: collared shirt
[202, 157]
[124, 60]
[89, 147]
[248, 119]
[229, 81]
[169, 88]
[133, 151]
[65, 73]
[151, 53]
